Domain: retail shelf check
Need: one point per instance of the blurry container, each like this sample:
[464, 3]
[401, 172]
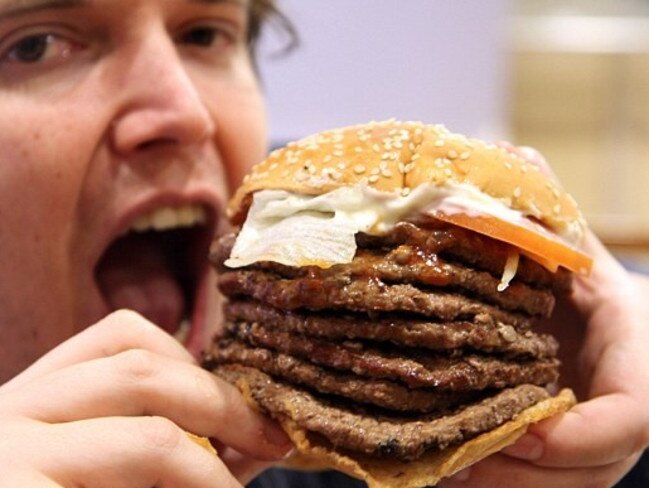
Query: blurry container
[580, 88]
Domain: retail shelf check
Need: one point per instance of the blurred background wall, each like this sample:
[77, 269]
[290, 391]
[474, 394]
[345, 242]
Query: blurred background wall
[358, 60]
[569, 77]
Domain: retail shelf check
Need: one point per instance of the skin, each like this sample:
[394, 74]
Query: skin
[130, 106]
[603, 336]
[123, 114]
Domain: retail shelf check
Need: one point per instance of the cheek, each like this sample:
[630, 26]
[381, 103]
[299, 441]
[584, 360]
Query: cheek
[39, 184]
[35, 179]
[241, 135]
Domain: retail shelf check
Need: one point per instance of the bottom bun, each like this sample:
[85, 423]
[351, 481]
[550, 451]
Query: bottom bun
[431, 467]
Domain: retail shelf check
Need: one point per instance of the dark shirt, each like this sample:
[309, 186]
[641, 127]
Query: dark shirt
[283, 478]
[638, 477]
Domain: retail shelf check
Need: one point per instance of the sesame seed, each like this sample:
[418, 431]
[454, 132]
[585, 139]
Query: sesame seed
[452, 154]
[405, 191]
[342, 166]
[439, 143]
[373, 178]
[524, 168]
[556, 192]
[359, 169]
[402, 168]
[465, 155]
[273, 166]
[386, 173]
[508, 165]
[338, 153]
[517, 192]
[358, 149]
[556, 209]
[376, 148]
[408, 168]
[327, 158]
[375, 171]
[448, 172]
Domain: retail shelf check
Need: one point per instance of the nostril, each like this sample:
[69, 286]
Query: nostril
[161, 141]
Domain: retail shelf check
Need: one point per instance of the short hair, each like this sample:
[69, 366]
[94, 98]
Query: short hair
[261, 13]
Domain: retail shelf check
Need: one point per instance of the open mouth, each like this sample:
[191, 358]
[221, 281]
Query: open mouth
[157, 267]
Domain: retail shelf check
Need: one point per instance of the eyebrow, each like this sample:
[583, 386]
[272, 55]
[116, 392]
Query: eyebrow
[12, 8]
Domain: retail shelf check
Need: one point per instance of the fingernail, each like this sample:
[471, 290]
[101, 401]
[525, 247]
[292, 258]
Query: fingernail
[276, 435]
[528, 447]
[289, 453]
[461, 475]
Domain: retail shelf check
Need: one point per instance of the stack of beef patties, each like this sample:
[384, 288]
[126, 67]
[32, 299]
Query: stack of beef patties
[415, 345]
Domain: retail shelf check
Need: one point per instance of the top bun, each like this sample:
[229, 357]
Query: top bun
[393, 156]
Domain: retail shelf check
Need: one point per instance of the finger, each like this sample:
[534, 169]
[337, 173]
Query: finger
[123, 452]
[115, 333]
[242, 467]
[33, 479]
[531, 155]
[500, 471]
[138, 382]
[581, 439]
[608, 282]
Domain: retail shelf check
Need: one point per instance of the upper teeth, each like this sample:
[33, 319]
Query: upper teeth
[170, 218]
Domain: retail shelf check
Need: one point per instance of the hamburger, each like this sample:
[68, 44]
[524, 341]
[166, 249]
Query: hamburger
[383, 285]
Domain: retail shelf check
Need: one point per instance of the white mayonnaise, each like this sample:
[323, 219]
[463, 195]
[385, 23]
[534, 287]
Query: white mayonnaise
[298, 230]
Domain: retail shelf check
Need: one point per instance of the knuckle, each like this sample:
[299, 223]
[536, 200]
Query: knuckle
[137, 364]
[122, 328]
[128, 320]
[160, 434]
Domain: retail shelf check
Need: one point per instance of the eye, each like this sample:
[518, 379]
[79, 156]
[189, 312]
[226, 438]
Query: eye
[39, 48]
[215, 38]
[200, 36]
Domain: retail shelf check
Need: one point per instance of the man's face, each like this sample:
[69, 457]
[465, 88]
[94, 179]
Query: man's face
[123, 125]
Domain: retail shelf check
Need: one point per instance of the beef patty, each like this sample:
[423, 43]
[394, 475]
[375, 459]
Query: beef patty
[356, 429]
[409, 347]
[483, 333]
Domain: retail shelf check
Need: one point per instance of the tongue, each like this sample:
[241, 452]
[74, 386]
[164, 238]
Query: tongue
[135, 274]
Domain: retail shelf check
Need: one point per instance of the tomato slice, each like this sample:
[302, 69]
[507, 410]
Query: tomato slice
[548, 252]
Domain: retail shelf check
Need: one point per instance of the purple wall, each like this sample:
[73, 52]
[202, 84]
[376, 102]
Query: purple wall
[432, 60]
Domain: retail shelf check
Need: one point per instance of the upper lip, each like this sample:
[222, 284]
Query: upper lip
[124, 222]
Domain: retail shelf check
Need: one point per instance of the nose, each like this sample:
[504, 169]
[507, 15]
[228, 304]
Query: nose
[159, 103]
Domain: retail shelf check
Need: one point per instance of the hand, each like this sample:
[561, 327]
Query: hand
[110, 407]
[603, 332]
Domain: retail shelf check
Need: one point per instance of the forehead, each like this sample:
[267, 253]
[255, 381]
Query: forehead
[16, 7]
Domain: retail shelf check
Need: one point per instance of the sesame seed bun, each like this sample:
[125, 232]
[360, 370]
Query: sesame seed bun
[393, 156]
